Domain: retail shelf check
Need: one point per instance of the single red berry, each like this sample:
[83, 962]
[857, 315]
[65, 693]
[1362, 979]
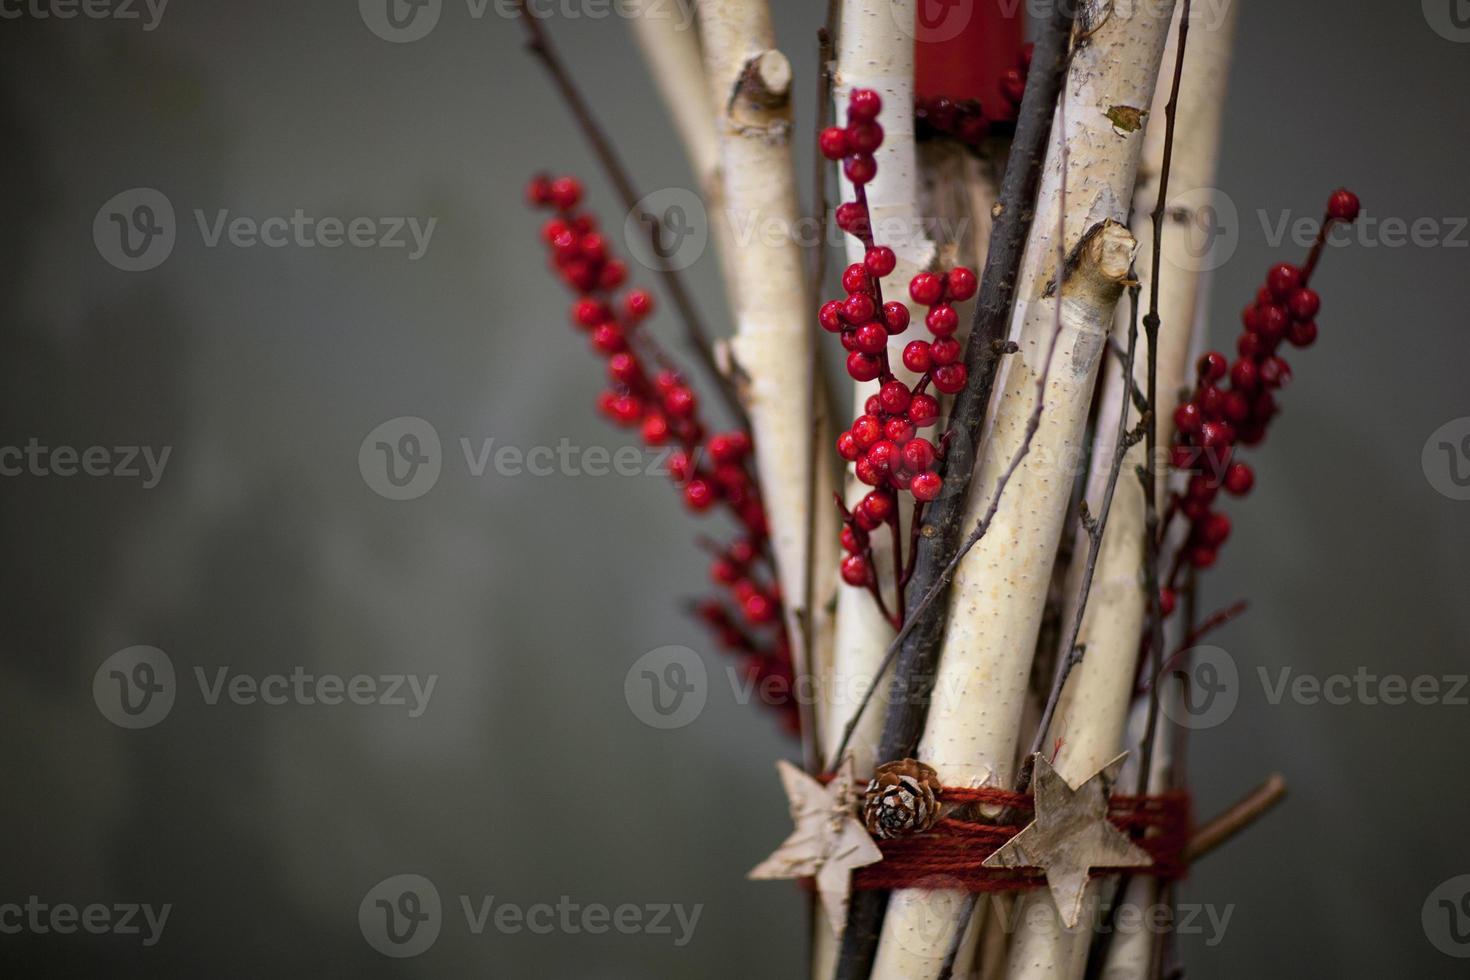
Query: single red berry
[680, 402]
[1167, 602]
[864, 104]
[880, 506]
[871, 337]
[1275, 372]
[858, 308]
[1215, 529]
[863, 367]
[833, 142]
[924, 410]
[867, 430]
[945, 350]
[1212, 366]
[855, 570]
[1304, 304]
[566, 192]
[1274, 321]
[918, 455]
[848, 447]
[698, 494]
[538, 191]
[759, 608]
[553, 229]
[942, 320]
[916, 356]
[724, 571]
[883, 455]
[1250, 318]
[1282, 279]
[854, 540]
[830, 315]
[851, 217]
[895, 317]
[1211, 401]
[1202, 557]
[1239, 479]
[849, 339]
[656, 430]
[1237, 407]
[638, 303]
[1249, 345]
[1181, 456]
[855, 279]
[593, 247]
[723, 448]
[667, 381]
[950, 378]
[926, 486]
[860, 168]
[894, 396]
[960, 283]
[1215, 435]
[899, 429]
[926, 288]
[1302, 334]
[1201, 487]
[622, 367]
[1013, 85]
[865, 137]
[1188, 417]
[589, 313]
[1243, 374]
[872, 406]
[680, 466]
[608, 338]
[614, 273]
[1194, 510]
[866, 475]
[1342, 205]
[880, 260]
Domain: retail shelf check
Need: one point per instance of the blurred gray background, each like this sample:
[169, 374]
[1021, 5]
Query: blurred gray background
[262, 548]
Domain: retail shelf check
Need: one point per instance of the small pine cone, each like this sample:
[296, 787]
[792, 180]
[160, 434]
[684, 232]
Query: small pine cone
[902, 799]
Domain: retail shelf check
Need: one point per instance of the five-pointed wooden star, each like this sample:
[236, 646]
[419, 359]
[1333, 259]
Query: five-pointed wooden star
[1070, 836]
[828, 842]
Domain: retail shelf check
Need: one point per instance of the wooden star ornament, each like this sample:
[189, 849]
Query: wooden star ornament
[829, 841]
[1070, 836]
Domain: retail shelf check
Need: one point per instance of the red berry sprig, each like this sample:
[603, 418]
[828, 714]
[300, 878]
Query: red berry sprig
[883, 443]
[646, 392]
[1233, 403]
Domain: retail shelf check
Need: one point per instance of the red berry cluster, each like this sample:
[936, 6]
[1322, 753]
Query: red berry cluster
[967, 120]
[646, 392]
[1233, 402]
[883, 443]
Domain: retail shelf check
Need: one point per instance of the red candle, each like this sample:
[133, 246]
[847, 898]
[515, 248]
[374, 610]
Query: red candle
[963, 47]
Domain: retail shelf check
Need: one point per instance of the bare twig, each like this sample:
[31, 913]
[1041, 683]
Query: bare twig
[694, 331]
[1236, 818]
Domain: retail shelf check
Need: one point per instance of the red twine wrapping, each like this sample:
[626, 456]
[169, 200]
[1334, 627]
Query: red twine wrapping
[951, 854]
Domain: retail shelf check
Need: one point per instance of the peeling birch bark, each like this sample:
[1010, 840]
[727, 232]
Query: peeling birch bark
[1094, 706]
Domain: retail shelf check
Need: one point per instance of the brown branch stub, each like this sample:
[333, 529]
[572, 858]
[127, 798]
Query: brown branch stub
[1237, 818]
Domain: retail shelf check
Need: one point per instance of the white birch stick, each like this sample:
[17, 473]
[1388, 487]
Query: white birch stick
[1093, 710]
[999, 591]
[872, 52]
[750, 81]
[962, 728]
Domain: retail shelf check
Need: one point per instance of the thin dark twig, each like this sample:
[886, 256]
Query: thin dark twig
[694, 331]
[1151, 480]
